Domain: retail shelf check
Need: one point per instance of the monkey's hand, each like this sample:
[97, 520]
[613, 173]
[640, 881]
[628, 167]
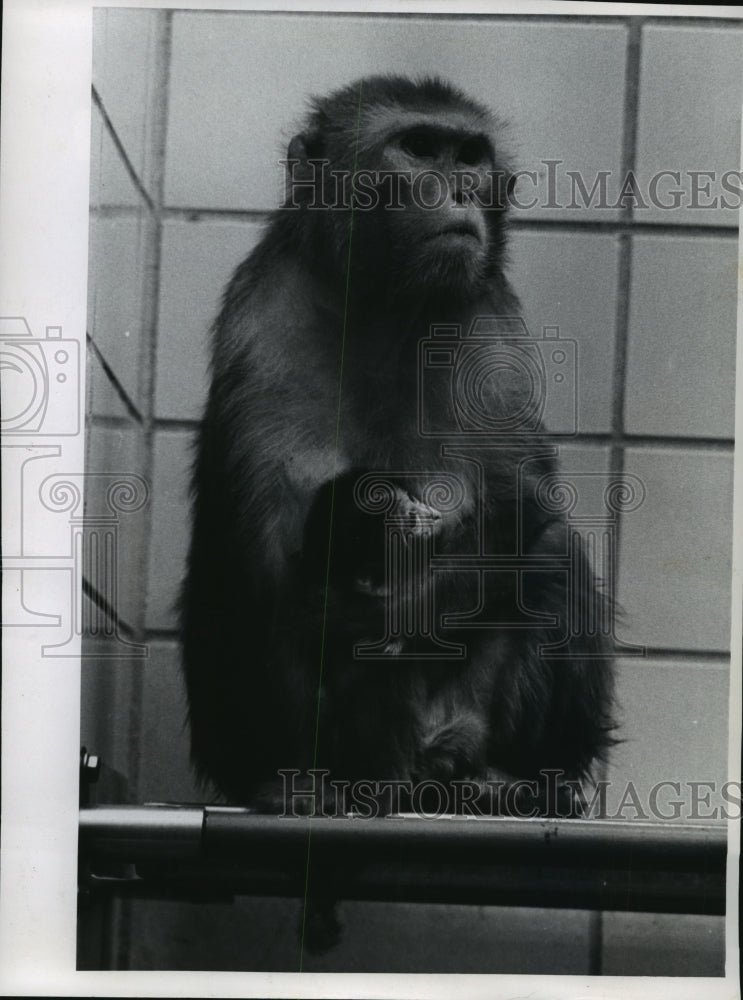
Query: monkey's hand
[349, 546]
[416, 517]
[413, 520]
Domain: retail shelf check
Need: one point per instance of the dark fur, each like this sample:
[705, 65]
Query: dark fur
[274, 516]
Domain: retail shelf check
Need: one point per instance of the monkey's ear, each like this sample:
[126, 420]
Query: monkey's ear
[305, 147]
[298, 149]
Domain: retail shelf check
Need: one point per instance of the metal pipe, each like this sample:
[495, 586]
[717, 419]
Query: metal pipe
[141, 832]
[138, 833]
[220, 851]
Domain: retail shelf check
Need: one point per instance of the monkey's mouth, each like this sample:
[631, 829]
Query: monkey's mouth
[458, 229]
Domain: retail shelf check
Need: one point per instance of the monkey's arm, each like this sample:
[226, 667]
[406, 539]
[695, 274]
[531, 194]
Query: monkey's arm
[249, 626]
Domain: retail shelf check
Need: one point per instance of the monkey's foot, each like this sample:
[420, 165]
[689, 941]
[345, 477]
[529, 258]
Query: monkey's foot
[365, 585]
[454, 750]
[320, 927]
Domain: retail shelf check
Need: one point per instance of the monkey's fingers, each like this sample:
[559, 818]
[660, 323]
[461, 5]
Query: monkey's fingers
[419, 518]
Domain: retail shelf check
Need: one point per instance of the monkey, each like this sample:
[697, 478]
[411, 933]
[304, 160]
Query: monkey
[392, 241]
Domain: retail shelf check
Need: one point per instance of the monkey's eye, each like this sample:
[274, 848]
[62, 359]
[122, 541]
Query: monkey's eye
[472, 152]
[421, 145]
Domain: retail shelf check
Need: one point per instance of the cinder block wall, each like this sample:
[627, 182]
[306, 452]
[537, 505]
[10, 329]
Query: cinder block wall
[189, 121]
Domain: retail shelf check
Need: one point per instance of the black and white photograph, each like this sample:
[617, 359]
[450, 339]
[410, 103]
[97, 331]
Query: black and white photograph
[371, 501]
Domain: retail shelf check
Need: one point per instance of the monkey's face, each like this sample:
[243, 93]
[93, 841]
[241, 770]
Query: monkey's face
[405, 189]
[436, 184]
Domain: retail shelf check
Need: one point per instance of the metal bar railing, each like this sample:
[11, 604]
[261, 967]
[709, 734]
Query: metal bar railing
[215, 851]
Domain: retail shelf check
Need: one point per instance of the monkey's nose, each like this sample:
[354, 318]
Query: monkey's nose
[460, 195]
